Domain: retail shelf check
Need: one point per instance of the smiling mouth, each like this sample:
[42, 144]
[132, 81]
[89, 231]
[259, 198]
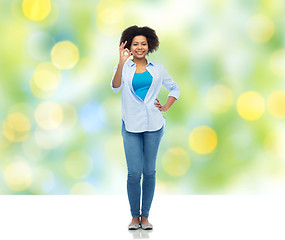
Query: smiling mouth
[140, 52]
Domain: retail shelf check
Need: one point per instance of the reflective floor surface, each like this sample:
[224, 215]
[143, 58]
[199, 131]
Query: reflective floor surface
[173, 217]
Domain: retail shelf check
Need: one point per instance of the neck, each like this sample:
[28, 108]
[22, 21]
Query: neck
[142, 61]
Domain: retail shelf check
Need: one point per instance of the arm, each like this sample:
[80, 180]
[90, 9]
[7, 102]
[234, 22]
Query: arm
[116, 82]
[173, 89]
[117, 79]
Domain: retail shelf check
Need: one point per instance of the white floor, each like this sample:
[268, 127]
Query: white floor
[173, 217]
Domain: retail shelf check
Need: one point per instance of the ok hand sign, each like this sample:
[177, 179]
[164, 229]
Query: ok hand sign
[124, 52]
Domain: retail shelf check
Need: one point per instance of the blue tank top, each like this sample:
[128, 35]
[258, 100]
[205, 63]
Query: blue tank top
[141, 83]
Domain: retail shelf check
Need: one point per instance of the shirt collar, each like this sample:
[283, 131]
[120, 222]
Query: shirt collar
[131, 63]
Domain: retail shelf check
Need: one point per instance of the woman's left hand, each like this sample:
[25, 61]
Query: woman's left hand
[160, 107]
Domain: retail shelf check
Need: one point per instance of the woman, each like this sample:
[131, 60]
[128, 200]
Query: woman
[143, 124]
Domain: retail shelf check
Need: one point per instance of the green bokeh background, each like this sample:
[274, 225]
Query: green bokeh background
[202, 44]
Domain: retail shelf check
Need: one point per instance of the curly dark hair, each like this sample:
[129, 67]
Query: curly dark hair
[129, 33]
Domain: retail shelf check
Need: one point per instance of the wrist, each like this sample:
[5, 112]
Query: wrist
[166, 106]
[120, 64]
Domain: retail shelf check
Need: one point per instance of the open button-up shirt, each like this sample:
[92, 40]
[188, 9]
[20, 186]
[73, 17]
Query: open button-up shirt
[139, 115]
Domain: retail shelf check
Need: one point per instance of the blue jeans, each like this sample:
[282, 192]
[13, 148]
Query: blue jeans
[141, 152]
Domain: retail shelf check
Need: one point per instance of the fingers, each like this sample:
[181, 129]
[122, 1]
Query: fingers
[157, 104]
[123, 44]
[123, 50]
[126, 50]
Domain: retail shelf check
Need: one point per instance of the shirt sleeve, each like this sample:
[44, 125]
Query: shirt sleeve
[116, 90]
[169, 84]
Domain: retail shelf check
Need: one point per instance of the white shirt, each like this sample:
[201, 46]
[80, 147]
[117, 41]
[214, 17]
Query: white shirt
[139, 115]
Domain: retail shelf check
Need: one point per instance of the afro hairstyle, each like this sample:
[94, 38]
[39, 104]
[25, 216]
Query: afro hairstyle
[130, 32]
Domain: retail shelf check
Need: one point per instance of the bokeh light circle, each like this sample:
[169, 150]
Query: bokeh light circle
[49, 115]
[176, 162]
[260, 28]
[36, 10]
[64, 55]
[219, 98]
[49, 139]
[203, 140]
[45, 80]
[69, 115]
[250, 105]
[276, 104]
[17, 127]
[109, 17]
[18, 175]
[277, 63]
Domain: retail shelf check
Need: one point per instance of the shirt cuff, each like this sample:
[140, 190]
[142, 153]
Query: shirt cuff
[116, 90]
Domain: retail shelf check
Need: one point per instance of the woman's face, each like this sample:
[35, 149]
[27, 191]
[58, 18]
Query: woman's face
[139, 46]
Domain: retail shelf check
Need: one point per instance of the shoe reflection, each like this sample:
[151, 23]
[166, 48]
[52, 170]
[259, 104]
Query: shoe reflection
[140, 233]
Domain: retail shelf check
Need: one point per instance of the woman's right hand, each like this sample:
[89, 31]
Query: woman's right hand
[124, 53]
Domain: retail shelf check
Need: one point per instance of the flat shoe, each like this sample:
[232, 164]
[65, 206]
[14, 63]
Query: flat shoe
[146, 226]
[134, 226]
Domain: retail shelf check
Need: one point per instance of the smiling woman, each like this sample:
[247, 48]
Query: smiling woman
[143, 124]
[139, 46]
[147, 37]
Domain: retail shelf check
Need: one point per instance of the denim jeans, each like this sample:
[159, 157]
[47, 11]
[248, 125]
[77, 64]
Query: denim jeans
[141, 152]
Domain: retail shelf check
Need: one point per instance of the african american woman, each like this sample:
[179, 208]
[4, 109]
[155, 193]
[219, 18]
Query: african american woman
[142, 123]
